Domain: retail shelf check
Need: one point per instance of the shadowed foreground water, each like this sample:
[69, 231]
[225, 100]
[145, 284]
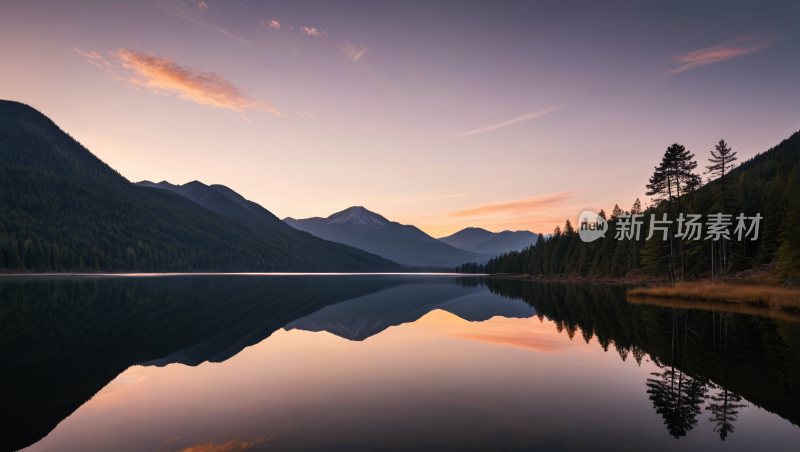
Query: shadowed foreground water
[369, 362]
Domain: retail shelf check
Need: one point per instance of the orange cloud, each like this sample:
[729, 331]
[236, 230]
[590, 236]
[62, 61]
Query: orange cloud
[202, 6]
[312, 31]
[728, 49]
[503, 124]
[234, 445]
[352, 51]
[516, 207]
[204, 88]
[274, 24]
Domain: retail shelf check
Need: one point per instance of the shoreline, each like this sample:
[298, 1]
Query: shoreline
[625, 280]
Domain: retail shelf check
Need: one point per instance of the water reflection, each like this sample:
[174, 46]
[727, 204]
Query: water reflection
[62, 339]
[424, 359]
[750, 356]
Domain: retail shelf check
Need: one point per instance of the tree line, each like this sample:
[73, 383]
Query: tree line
[767, 184]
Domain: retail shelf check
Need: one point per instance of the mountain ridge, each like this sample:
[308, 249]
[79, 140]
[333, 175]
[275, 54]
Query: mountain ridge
[222, 200]
[478, 240]
[64, 209]
[361, 228]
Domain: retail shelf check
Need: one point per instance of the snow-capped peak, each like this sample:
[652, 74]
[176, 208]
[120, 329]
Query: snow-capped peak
[358, 217]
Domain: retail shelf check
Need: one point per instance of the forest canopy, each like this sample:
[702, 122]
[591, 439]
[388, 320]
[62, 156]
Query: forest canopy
[767, 185]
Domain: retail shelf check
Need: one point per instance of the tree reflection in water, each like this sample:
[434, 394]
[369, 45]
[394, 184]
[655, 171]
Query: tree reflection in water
[676, 396]
[730, 355]
[725, 404]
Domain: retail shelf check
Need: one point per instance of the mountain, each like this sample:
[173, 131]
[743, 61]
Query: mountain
[482, 241]
[366, 230]
[468, 238]
[222, 200]
[63, 209]
[370, 314]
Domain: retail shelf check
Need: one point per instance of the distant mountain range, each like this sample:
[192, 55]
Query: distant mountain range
[406, 244]
[66, 210]
[69, 211]
[481, 241]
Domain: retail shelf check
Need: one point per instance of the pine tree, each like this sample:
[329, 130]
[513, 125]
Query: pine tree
[722, 162]
[636, 209]
[673, 178]
[616, 212]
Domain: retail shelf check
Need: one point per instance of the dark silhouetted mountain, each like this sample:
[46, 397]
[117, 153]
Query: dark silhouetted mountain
[222, 200]
[468, 238]
[481, 241]
[360, 228]
[63, 209]
[252, 207]
[366, 316]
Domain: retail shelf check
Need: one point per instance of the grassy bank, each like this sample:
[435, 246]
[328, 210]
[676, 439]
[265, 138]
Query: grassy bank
[717, 306]
[787, 299]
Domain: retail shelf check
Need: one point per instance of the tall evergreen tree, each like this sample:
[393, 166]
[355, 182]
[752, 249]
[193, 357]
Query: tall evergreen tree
[673, 178]
[722, 159]
[636, 209]
[616, 212]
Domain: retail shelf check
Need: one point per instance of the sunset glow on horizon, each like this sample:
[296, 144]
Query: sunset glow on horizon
[445, 115]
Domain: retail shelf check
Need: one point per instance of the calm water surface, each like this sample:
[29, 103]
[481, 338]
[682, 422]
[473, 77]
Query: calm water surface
[369, 362]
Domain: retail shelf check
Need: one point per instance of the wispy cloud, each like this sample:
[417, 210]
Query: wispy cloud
[274, 24]
[96, 59]
[352, 51]
[305, 115]
[518, 119]
[183, 16]
[739, 46]
[516, 207]
[202, 6]
[206, 88]
[312, 31]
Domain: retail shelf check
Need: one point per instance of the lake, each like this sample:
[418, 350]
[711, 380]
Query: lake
[218, 363]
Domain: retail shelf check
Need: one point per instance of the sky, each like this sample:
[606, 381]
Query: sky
[444, 115]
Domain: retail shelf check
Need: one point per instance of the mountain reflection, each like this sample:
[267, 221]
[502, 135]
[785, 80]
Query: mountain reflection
[62, 339]
[368, 315]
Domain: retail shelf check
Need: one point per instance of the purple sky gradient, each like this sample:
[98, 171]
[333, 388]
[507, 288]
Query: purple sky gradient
[418, 111]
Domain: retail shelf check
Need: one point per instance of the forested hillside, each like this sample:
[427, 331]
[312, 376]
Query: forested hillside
[62, 209]
[767, 184]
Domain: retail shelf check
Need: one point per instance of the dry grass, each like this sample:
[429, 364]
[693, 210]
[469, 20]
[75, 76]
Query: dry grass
[718, 306]
[765, 296]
